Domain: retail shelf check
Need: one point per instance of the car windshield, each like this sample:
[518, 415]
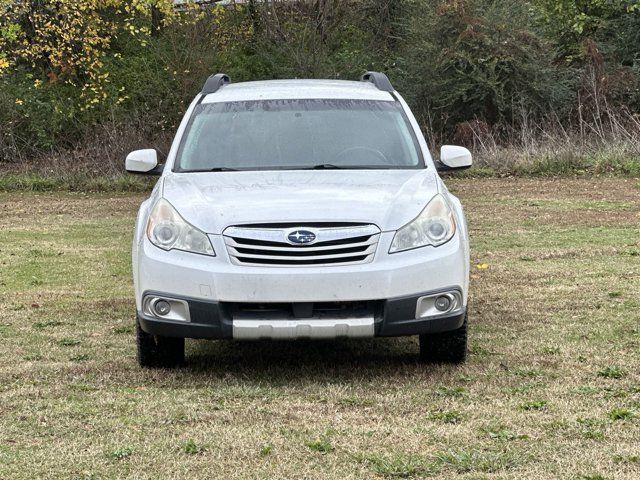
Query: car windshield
[298, 134]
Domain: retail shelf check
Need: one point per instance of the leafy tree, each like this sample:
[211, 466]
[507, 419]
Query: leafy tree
[570, 22]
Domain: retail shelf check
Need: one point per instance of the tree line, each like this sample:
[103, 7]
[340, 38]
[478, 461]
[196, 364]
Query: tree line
[466, 67]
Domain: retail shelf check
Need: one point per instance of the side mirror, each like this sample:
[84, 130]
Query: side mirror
[143, 161]
[454, 158]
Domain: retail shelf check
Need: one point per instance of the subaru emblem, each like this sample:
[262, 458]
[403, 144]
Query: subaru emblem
[301, 237]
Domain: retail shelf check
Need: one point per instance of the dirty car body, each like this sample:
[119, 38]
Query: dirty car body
[300, 209]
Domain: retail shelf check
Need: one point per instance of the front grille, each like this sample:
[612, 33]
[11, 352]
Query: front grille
[334, 245]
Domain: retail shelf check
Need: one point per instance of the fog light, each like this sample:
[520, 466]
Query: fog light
[443, 303]
[162, 307]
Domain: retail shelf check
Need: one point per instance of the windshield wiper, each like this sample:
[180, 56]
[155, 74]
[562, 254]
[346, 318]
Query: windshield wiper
[214, 169]
[331, 166]
[326, 166]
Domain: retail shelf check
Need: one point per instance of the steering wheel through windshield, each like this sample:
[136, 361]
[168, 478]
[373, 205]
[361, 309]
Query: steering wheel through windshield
[362, 156]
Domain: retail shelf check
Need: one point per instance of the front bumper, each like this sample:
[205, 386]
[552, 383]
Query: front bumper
[387, 318]
[216, 279]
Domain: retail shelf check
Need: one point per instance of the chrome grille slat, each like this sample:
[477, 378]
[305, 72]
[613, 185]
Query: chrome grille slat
[368, 251]
[276, 234]
[334, 246]
[230, 242]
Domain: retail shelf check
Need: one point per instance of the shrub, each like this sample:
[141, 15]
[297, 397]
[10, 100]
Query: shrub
[467, 59]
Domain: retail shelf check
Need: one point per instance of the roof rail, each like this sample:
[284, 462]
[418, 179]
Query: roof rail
[379, 79]
[214, 82]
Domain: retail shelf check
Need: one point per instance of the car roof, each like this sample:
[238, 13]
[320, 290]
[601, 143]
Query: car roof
[298, 89]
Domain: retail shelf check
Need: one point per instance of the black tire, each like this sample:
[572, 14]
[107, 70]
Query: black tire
[445, 347]
[158, 352]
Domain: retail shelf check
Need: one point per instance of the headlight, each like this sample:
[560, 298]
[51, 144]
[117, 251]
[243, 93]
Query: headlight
[434, 226]
[166, 229]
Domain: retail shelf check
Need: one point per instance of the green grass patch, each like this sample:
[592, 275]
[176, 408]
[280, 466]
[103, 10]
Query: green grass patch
[534, 405]
[612, 372]
[13, 182]
[447, 416]
[190, 447]
[120, 453]
[400, 466]
[320, 444]
[621, 413]
[553, 373]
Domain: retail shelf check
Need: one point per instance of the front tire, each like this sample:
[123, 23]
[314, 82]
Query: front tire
[445, 347]
[155, 351]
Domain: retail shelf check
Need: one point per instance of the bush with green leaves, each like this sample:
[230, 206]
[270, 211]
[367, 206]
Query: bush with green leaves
[480, 59]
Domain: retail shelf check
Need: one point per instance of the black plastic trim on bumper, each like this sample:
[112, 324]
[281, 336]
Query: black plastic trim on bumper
[212, 320]
[208, 320]
[399, 317]
[399, 327]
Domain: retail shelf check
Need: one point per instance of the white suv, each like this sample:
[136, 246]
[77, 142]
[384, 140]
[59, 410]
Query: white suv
[300, 209]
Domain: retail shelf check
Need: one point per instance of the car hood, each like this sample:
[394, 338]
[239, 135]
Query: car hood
[214, 201]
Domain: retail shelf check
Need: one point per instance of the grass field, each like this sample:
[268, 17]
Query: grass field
[551, 388]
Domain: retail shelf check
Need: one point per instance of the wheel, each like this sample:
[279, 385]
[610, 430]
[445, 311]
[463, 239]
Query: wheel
[156, 351]
[445, 347]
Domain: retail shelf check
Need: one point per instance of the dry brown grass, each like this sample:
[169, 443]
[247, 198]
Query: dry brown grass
[95, 164]
[608, 143]
[551, 389]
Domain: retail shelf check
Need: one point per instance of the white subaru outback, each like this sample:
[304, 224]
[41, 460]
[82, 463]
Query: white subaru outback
[300, 209]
